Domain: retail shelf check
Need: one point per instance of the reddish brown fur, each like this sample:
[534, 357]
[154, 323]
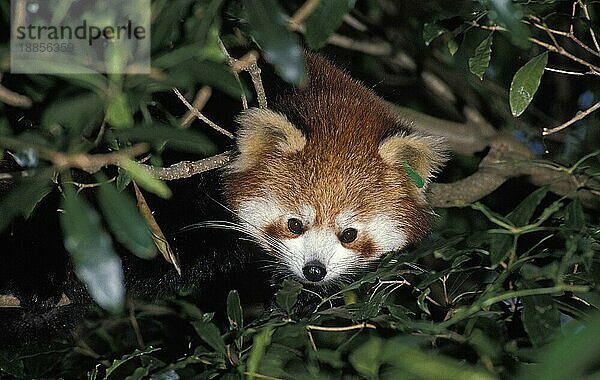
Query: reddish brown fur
[279, 230]
[339, 168]
[363, 245]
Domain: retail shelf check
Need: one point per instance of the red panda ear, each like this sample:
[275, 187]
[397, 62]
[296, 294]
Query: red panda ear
[425, 154]
[262, 130]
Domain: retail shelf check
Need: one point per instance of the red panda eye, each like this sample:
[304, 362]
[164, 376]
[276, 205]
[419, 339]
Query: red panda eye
[348, 235]
[295, 226]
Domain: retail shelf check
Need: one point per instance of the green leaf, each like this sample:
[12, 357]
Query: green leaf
[400, 313]
[145, 179]
[505, 13]
[125, 221]
[215, 74]
[118, 113]
[324, 20]
[431, 31]
[11, 364]
[500, 246]
[259, 346]
[540, 318]
[21, 201]
[367, 310]
[234, 310]
[365, 359]
[288, 294]
[149, 364]
[480, 61]
[202, 30]
[93, 81]
[415, 178]
[423, 365]
[330, 357]
[77, 114]
[166, 28]
[571, 357]
[126, 358]
[123, 179]
[268, 27]
[211, 335]
[526, 82]
[452, 46]
[175, 138]
[95, 262]
[574, 216]
[522, 214]
[422, 301]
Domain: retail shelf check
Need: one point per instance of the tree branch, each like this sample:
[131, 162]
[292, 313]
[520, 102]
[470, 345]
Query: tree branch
[506, 159]
[90, 163]
[580, 115]
[186, 169]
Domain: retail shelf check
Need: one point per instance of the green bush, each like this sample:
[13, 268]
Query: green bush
[506, 285]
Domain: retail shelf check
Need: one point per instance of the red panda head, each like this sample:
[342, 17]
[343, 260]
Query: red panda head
[320, 180]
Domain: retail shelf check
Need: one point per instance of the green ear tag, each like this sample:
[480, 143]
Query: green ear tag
[412, 174]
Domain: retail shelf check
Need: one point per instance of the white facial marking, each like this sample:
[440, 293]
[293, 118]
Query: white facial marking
[322, 245]
[308, 214]
[381, 229]
[386, 234]
[259, 212]
[345, 219]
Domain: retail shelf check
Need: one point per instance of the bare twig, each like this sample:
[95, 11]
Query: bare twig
[186, 169]
[259, 376]
[356, 24]
[303, 12]
[81, 186]
[249, 64]
[17, 175]
[359, 326]
[573, 12]
[90, 163]
[570, 35]
[230, 62]
[84, 349]
[199, 102]
[7, 300]
[580, 115]
[200, 116]
[556, 48]
[381, 48]
[14, 99]
[595, 70]
[560, 71]
[134, 323]
[587, 16]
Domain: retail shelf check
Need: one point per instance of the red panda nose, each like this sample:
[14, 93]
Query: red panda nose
[314, 271]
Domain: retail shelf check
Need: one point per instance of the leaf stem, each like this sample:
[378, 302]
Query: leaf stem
[462, 314]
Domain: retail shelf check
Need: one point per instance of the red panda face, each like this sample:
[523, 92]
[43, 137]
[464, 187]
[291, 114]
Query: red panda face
[317, 250]
[322, 184]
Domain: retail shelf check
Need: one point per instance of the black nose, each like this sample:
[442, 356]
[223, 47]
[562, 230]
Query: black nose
[314, 271]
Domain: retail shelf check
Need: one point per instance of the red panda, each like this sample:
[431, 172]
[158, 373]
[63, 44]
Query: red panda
[319, 179]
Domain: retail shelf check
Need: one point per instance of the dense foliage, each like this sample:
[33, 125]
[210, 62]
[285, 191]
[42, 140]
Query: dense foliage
[507, 286]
